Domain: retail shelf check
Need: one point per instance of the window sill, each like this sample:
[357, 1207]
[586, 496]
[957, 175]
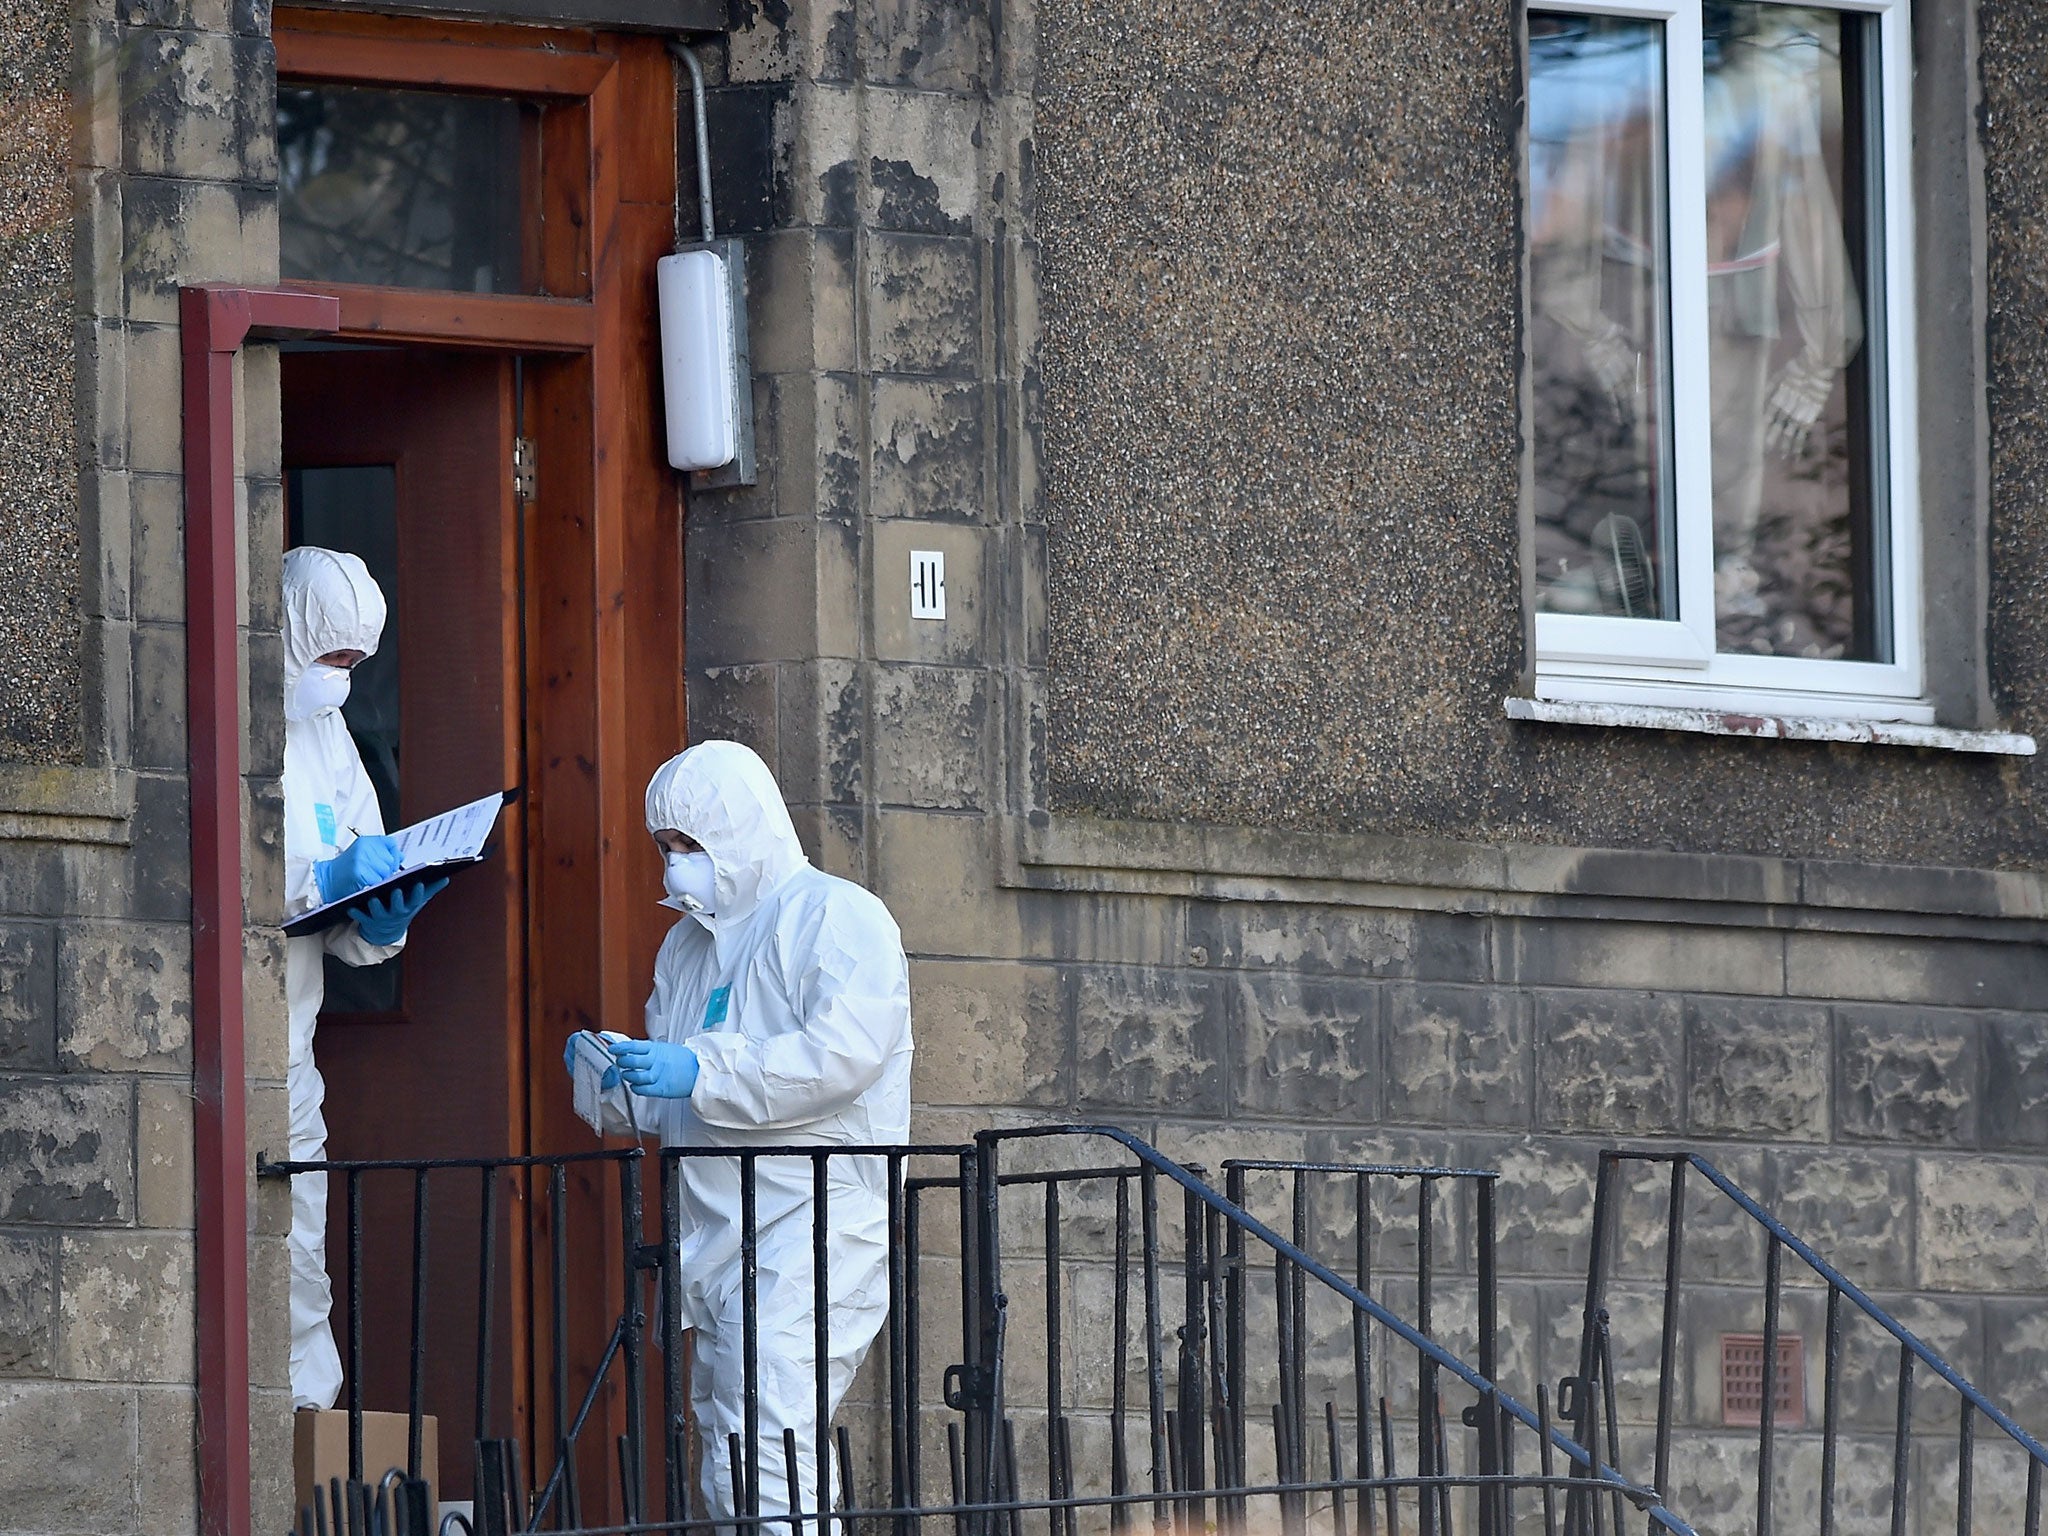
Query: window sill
[1725, 722]
[65, 805]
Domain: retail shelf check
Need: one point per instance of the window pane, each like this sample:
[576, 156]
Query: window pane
[355, 508]
[1790, 162]
[1599, 316]
[409, 189]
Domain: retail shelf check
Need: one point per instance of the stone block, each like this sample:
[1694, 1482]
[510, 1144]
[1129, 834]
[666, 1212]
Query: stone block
[28, 998]
[1665, 957]
[163, 1153]
[28, 1289]
[927, 447]
[193, 106]
[151, 377]
[933, 871]
[930, 47]
[1306, 1048]
[1635, 1337]
[1721, 1240]
[70, 1463]
[125, 998]
[1907, 1075]
[1983, 1226]
[1998, 1484]
[738, 704]
[800, 309]
[167, 1466]
[1458, 1056]
[1757, 1070]
[186, 231]
[931, 737]
[158, 695]
[2013, 1104]
[125, 1307]
[1544, 1206]
[1868, 1372]
[157, 504]
[753, 592]
[1394, 1203]
[1611, 1062]
[270, 1435]
[270, 1318]
[1146, 1038]
[2016, 1357]
[65, 1152]
[924, 165]
[159, 873]
[958, 638]
[264, 1026]
[1346, 941]
[989, 1034]
[1946, 972]
[924, 304]
[1854, 1208]
[820, 732]
[106, 535]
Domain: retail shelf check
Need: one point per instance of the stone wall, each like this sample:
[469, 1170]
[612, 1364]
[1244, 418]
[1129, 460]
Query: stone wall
[173, 174]
[1197, 811]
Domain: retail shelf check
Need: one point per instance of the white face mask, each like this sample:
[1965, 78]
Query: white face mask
[320, 689]
[691, 881]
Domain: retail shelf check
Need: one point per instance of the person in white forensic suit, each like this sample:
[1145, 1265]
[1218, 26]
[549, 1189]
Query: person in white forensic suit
[780, 1017]
[334, 846]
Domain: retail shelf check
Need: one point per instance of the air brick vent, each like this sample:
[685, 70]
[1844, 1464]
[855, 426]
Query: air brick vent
[1742, 1380]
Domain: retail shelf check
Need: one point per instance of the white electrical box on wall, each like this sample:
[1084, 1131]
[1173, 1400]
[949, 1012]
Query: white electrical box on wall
[699, 372]
[927, 584]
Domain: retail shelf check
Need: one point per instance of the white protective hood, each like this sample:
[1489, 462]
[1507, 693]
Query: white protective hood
[721, 794]
[330, 604]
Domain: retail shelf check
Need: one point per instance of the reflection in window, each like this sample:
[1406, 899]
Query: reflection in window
[409, 189]
[355, 508]
[1791, 390]
[1599, 301]
[1794, 556]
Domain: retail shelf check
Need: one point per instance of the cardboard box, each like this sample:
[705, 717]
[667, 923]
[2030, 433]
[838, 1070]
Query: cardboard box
[320, 1449]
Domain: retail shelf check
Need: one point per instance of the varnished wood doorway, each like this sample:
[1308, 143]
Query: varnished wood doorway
[599, 692]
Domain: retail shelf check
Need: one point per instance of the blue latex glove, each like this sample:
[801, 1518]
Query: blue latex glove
[655, 1069]
[610, 1079]
[363, 863]
[384, 919]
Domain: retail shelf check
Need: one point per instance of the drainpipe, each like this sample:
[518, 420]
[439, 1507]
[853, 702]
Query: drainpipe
[214, 323]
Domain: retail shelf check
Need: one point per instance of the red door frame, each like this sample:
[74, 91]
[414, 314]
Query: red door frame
[214, 323]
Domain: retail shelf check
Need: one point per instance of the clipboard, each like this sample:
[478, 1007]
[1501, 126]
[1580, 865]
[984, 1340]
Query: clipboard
[453, 840]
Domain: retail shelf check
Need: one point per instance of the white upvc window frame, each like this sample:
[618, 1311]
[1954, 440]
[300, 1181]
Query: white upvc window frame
[1597, 659]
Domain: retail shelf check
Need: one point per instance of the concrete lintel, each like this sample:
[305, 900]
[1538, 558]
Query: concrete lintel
[1722, 722]
[66, 805]
[1087, 854]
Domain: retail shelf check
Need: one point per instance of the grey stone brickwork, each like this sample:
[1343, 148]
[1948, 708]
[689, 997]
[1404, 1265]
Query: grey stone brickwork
[166, 158]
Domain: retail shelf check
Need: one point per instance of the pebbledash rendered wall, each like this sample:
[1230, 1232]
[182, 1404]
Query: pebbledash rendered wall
[135, 154]
[1188, 333]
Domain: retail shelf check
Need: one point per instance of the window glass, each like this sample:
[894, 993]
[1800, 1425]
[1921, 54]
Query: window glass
[1796, 562]
[1599, 308]
[355, 508]
[407, 189]
[1774, 387]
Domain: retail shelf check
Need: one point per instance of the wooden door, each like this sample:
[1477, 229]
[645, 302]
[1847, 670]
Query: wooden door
[405, 455]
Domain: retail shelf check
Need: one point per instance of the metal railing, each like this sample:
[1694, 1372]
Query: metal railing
[1073, 1343]
[1590, 1399]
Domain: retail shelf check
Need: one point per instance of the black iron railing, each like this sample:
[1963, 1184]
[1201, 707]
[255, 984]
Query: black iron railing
[1074, 1343]
[1590, 1399]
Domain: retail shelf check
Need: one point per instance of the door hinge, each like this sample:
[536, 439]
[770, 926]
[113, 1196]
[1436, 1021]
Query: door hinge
[524, 471]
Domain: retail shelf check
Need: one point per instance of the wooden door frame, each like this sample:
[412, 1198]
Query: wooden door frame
[602, 540]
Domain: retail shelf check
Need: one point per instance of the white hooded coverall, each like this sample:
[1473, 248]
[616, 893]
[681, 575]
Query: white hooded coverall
[330, 604]
[795, 996]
